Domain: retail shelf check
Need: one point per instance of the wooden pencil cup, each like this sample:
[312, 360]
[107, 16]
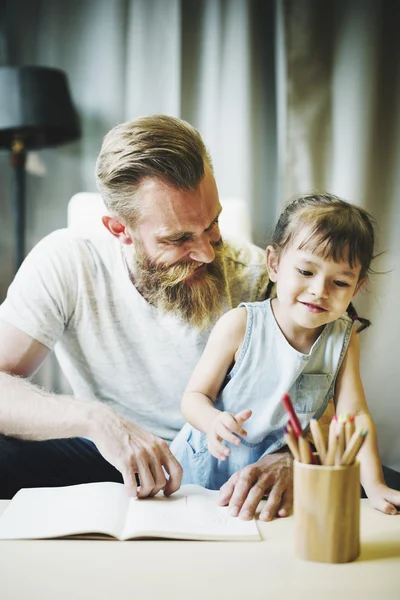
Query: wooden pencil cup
[327, 512]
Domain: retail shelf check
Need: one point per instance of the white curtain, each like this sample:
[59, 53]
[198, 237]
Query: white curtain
[290, 96]
[211, 62]
[343, 135]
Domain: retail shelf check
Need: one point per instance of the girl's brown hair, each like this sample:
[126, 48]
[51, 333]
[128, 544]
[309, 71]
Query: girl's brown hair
[333, 229]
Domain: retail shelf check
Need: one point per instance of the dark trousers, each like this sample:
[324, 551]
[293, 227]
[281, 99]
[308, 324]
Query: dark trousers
[50, 463]
[68, 462]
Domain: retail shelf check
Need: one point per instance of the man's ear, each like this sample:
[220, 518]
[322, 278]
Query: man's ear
[359, 286]
[117, 229]
[272, 263]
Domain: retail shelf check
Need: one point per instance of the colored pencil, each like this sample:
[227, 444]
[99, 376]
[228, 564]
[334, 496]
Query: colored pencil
[318, 438]
[340, 446]
[332, 443]
[293, 418]
[305, 450]
[291, 441]
[357, 440]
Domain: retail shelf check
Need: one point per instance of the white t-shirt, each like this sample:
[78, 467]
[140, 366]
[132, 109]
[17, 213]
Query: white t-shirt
[75, 295]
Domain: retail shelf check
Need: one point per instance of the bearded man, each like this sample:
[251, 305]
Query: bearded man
[128, 318]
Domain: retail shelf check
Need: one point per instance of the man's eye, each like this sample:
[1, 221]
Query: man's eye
[305, 273]
[213, 224]
[341, 283]
[176, 241]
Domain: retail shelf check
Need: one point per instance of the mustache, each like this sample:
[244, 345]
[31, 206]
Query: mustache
[178, 272]
[164, 286]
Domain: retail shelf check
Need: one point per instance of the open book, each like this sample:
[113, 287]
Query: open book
[105, 508]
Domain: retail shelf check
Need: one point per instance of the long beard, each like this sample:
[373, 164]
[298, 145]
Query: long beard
[198, 302]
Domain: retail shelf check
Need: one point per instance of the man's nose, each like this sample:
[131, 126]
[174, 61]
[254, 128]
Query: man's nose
[202, 250]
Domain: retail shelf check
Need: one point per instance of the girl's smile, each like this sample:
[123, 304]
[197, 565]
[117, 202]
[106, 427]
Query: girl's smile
[311, 291]
[313, 307]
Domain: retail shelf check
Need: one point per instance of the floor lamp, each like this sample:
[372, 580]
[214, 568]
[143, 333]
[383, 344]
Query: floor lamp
[36, 111]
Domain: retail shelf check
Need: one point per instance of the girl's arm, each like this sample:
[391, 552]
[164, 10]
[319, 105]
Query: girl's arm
[350, 398]
[198, 402]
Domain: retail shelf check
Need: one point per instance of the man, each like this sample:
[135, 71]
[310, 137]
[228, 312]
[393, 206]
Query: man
[128, 318]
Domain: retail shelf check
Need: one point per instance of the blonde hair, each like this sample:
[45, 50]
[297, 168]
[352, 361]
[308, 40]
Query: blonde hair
[156, 146]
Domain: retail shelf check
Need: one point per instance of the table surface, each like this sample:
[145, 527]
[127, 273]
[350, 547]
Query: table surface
[163, 569]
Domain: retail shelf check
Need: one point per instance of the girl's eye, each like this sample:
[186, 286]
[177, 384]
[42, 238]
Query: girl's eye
[341, 284]
[305, 273]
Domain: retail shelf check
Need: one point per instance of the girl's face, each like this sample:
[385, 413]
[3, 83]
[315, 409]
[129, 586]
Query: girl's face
[311, 291]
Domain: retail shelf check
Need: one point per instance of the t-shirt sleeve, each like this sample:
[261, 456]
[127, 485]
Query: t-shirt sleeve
[42, 298]
[246, 273]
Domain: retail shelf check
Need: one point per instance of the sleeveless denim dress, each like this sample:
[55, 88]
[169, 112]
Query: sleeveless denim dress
[267, 367]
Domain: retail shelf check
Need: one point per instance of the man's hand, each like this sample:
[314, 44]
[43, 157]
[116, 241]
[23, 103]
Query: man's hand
[272, 476]
[132, 450]
[224, 427]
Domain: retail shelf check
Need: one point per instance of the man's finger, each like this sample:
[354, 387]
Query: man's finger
[286, 503]
[272, 505]
[147, 483]
[174, 471]
[240, 492]
[254, 497]
[130, 483]
[159, 478]
[226, 491]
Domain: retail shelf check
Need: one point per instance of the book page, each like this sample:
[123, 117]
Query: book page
[190, 513]
[57, 512]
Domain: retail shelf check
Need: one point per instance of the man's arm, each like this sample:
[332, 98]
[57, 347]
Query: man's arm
[26, 411]
[30, 413]
[271, 476]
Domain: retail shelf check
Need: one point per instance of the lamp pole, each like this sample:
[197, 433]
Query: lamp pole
[36, 111]
[18, 160]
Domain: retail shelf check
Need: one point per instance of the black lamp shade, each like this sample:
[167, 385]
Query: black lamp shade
[36, 108]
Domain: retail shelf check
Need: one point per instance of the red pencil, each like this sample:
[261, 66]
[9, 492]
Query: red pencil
[293, 418]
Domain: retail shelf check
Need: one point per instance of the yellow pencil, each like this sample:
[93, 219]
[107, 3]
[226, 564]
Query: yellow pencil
[292, 444]
[330, 455]
[318, 438]
[340, 443]
[357, 440]
[347, 433]
[305, 450]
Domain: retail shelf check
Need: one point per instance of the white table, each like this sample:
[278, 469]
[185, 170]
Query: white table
[83, 569]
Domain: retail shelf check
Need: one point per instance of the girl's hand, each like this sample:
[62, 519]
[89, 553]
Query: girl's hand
[224, 427]
[383, 498]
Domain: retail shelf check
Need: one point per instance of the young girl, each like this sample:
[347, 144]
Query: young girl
[302, 341]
